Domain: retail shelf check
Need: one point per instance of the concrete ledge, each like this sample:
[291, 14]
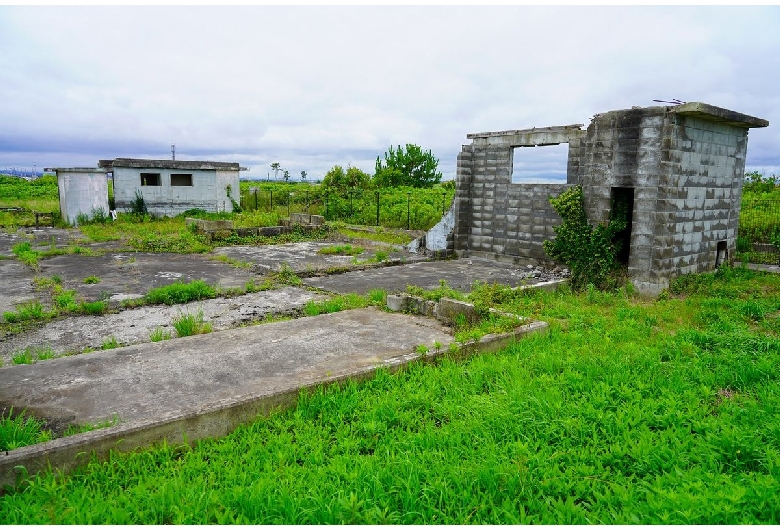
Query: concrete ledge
[218, 419]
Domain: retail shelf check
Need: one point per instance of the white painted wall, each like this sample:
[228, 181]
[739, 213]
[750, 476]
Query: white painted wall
[82, 190]
[208, 190]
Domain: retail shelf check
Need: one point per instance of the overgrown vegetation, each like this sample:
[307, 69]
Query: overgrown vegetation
[626, 412]
[589, 252]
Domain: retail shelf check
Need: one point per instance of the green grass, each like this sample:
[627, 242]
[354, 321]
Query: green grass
[20, 430]
[180, 293]
[335, 304]
[110, 343]
[159, 334]
[627, 411]
[379, 235]
[187, 324]
[90, 280]
[97, 307]
[341, 250]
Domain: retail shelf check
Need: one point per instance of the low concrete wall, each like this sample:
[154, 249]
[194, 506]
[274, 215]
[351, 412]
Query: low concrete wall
[67, 454]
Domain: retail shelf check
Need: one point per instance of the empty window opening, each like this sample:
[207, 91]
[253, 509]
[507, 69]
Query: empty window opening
[721, 254]
[150, 179]
[181, 179]
[623, 207]
[544, 164]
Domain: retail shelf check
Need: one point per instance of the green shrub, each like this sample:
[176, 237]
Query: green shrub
[589, 252]
[91, 280]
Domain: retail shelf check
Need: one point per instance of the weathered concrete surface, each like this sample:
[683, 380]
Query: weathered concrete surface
[182, 375]
[459, 274]
[205, 386]
[15, 284]
[133, 326]
[132, 274]
[41, 238]
[304, 257]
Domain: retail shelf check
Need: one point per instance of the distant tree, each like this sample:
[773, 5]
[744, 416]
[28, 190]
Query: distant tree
[410, 166]
[342, 180]
[303, 176]
[286, 176]
[276, 166]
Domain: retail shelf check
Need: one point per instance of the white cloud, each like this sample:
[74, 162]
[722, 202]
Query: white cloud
[316, 86]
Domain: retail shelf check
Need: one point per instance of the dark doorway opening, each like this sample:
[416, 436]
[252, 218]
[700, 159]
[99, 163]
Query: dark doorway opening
[623, 207]
[721, 254]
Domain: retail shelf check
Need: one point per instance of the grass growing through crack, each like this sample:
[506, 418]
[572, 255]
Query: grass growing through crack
[187, 324]
[341, 250]
[180, 293]
[628, 411]
[159, 334]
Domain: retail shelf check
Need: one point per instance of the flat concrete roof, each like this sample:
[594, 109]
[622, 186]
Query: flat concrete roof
[718, 114]
[169, 164]
[75, 169]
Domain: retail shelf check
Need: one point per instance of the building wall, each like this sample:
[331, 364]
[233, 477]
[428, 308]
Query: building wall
[82, 191]
[496, 218]
[686, 174]
[684, 166]
[208, 190]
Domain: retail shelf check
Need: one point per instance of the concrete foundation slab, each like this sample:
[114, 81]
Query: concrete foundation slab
[459, 274]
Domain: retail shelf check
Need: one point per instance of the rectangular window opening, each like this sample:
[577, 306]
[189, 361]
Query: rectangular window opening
[544, 164]
[623, 205]
[150, 179]
[181, 179]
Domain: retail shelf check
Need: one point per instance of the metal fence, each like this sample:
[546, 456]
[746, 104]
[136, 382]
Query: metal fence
[759, 231]
[419, 209]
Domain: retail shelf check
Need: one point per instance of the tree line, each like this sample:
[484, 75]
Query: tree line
[402, 166]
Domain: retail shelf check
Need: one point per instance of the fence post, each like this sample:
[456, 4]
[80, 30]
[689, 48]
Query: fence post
[289, 200]
[443, 200]
[377, 208]
[307, 204]
[408, 223]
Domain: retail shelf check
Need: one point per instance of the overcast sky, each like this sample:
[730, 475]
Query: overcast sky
[310, 87]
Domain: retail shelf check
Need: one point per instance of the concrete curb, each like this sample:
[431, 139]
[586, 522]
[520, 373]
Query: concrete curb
[216, 420]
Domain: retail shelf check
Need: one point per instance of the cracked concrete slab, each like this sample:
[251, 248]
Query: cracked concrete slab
[178, 376]
[133, 326]
[459, 274]
[305, 257]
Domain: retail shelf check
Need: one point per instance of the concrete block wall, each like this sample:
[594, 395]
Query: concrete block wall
[495, 218]
[683, 164]
[686, 171]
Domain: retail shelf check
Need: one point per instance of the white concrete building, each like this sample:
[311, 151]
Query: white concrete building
[82, 190]
[170, 187]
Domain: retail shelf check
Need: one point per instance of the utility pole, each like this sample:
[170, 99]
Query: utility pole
[173, 151]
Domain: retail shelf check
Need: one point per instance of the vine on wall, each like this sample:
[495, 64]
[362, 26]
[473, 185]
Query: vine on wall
[589, 252]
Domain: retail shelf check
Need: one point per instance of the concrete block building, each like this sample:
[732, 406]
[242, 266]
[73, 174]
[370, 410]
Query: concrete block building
[170, 187]
[680, 168]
